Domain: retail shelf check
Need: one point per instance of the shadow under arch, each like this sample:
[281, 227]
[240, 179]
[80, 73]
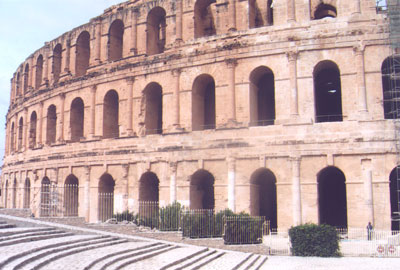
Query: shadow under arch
[202, 190]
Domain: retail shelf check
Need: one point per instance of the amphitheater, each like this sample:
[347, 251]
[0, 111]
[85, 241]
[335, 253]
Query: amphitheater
[282, 109]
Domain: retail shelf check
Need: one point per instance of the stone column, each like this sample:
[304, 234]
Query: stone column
[92, 123]
[61, 123]
[12, 91]
[292, 59]
[86, 200]
[46, 63]
[134, 19]
[26, 128]
[31, 74]
[125, 183]
[231, 183]
[176, 73]
[357, 8]
[172, 183]
[40, 139]
[291, 10]
[179, 14]
[7, 136]
[232, 15]
[130, 81]
[362, 92]
[296, 191]
[97, 44]
[369, 199]
[231, 102]
[67, 61]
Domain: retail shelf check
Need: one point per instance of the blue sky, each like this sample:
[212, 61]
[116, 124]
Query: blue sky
[25, 25]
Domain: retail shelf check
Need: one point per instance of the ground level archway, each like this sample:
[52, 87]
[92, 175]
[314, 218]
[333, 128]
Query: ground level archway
[106, 197]
[202, 190]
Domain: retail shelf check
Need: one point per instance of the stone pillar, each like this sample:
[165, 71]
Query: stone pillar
[232, 15]
[369, 199]
[60, 130]
[92, 125]
[97, 44]
[231, 102]
[67, 61]
[26, 128]
[46, 63]
[357, 8]
[296, 192]
[292, 59]
[86, 200]
[176, 73]
[231, 183]
[172, 183]
[134, 19]
[291, 10]
[40, 139]
[125, 183]
[12, 91]
[179, 15]
[362, 92]
[31, 74]
[130, 81]
[7, 136]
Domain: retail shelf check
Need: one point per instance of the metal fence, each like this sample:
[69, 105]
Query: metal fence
[243, 230]
[202, 223]
[105, 206]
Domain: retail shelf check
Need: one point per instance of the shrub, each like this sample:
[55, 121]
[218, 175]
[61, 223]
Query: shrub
[243, 229]
[125, 216]
[314, 240]
[170, 216]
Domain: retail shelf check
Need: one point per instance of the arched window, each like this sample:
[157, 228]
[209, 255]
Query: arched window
[263, 200]
[204, 18]
[202, 190]
[51, 124]
[262, 97]
[82, 53]
[394, 198]
[20, 133]
[149, 187]
[39, 72]
[327, 92]
[46, 207]
[203, 103]
[14, 194]
[6, 195]
[26, 77]
[57, 54]
[325, 11]
[332, 200]
[77, 119]
[32, 130]
[27, 193]
[18, 85]
[12, 138]
[255, 14]
[110, 115]
[115, 40]
[153, 116]
[106, 197]
[156, 31]
[391, 87]
[71, 196]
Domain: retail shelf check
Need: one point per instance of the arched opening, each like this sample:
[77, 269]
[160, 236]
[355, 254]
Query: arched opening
[391, 87]
[77, 119]
[51, 124]
[27, 193]
[203, 103]
[394, 198]
[325, 11]
[39, 72]
[26, 77]
[255, 14]
[20, 132]
[204, 18]
[14, 194]
[110, 115]
[57, 54]
[270, 12]
[106, 197]
[18, 85]
[332, 200]
[6, 195]
[115, 40]
[262, 97]
[149, 187]
[263, 195]
[71, 196]
[153, 116]
[12, 138]
[202, 190]
[32, 130]
[156, 31]
[82, 53]
[45, 197]
[327, 92]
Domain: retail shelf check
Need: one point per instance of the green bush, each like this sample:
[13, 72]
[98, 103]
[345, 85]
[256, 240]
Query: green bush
[314, 240]
[170, 216]
[125, 216]
[243, 229]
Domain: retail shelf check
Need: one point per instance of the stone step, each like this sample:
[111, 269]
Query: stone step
[18, 251]
[197, 261]
[7, 226]
[3, 222]
[21, 230]
[178, 256]
[52, 234]
[27, 236]
[230, 261]
[254, 261]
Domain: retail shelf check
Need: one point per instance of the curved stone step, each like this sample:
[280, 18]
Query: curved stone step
[252, 262]
[230, 261]
[183, 254]
[32, 236]
[196, 260]
[21, 230]
[7, 226]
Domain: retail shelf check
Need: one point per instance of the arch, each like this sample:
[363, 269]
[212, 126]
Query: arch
[153, 116]
[18, 84]
[325, 11]
[263, 199]
[12, 138]
[204, 18]
[77, 119]
[51, 124]
[394, 188]
[106, 197]
[6, 195]
[327, 92]
[203, 103]
[45, 197]
[27, 193]
[262, 97]
[14, 194]
[115, 40]
[332, 199]
[202, 190]
[20, 133]
[39, 72]
[82, 53]
[111, 115]
[32, 130]
[391, 86]
[255, 17]
[71, 196]
[156, 31]
[26, 77]
[149, 187]
[57, 56]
